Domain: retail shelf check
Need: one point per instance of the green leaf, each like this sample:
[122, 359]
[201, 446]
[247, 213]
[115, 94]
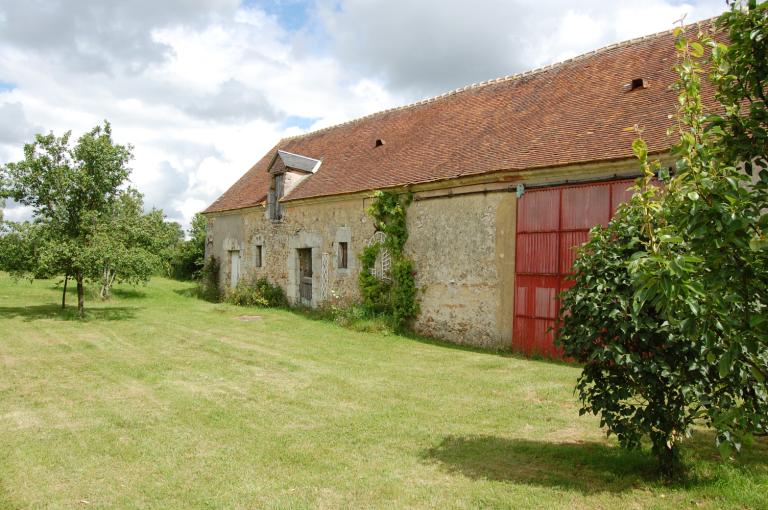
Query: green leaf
[640, 149]
[724, 368]
[697, 50]
[725, 449]
[757, 244]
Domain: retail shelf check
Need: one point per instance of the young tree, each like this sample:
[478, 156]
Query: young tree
[126, 244]
[69, 188]
[668, 310]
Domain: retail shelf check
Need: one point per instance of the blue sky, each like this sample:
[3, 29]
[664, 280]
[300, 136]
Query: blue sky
[292, 14]
[202, 88]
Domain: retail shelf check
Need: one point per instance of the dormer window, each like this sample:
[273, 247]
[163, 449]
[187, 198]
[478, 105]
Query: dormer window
[287, 170]
[276, 192]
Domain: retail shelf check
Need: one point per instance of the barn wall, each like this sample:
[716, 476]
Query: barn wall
[320, 227]
[463, 248]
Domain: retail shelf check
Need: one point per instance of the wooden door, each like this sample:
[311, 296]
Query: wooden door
[234, 268]
[305, 275]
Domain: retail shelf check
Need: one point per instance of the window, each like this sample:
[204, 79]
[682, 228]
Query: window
[343, 255]
[276, 191]
[258, 253]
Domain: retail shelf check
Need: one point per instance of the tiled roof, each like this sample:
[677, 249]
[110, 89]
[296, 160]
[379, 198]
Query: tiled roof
[567, 113]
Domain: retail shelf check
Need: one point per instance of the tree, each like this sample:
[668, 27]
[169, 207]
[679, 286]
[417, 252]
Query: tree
[668, 307]
[189, 257]
[70, 188]
[126, 244]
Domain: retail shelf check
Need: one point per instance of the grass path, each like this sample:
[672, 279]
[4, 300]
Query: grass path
[159, 400]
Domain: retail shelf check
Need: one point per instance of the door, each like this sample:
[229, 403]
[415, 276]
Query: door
[234, 268]
[551, 223]
[305, 275]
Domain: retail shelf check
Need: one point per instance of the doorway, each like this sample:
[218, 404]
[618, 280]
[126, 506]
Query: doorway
[234, 268]
[305, 275]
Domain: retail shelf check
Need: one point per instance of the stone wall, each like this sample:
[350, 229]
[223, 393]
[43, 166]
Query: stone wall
[319, 227]
[454, 242]
[463, 248]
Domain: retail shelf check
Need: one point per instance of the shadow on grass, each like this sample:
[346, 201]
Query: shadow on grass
[586, 467]
[190, 292]
[129, 293]
[54, 312]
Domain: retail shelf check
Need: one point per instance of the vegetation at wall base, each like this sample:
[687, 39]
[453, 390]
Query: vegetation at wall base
[395, 297]
[259, 292]
[668, 307]
[209, 287]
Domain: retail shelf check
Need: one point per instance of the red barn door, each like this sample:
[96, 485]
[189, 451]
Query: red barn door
[551, 222]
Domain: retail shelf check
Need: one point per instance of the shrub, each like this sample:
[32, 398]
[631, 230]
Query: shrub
[209, 280]
[640, 376]
[257, 293]
[668, 307]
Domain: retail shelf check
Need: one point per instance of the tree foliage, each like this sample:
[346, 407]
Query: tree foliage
[188, 259]
[86, 224]
[128, 245]
[395, 297]
[668, 307]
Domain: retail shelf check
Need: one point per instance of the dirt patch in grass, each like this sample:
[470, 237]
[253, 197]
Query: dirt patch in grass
[248, 318]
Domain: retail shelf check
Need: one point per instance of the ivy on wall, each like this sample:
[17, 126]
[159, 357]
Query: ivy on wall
[394, 297]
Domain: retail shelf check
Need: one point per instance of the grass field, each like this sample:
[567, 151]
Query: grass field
[159, 400]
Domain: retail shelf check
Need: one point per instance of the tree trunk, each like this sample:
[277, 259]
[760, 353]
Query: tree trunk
[107, 279]
[104, 282]
[670, 465]
[64, 294]
[80, 295]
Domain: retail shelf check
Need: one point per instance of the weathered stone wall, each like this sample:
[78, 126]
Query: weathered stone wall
[463, 248]
[320, 227]
[457, 243]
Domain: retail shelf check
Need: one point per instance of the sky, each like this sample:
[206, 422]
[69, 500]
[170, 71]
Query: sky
[203, 88]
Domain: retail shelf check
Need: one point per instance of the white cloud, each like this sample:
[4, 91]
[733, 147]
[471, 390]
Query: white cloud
[430, 46]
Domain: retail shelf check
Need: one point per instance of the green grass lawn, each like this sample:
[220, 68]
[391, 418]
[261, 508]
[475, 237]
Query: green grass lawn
[159, 400]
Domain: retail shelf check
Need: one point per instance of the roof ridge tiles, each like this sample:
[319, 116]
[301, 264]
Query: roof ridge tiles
[501, 79]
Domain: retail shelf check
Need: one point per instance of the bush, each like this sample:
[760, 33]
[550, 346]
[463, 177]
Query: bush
[257, 293]
[640, 376]
[668, 309]
[209, 281]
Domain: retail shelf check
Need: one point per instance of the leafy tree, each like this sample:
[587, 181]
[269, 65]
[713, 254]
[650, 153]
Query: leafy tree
[19, 244]
[668, 307]
[128, 245]
[189, 257]
[70, 188]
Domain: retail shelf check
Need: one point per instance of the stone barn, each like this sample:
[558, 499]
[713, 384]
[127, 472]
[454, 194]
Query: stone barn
[507, 177]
